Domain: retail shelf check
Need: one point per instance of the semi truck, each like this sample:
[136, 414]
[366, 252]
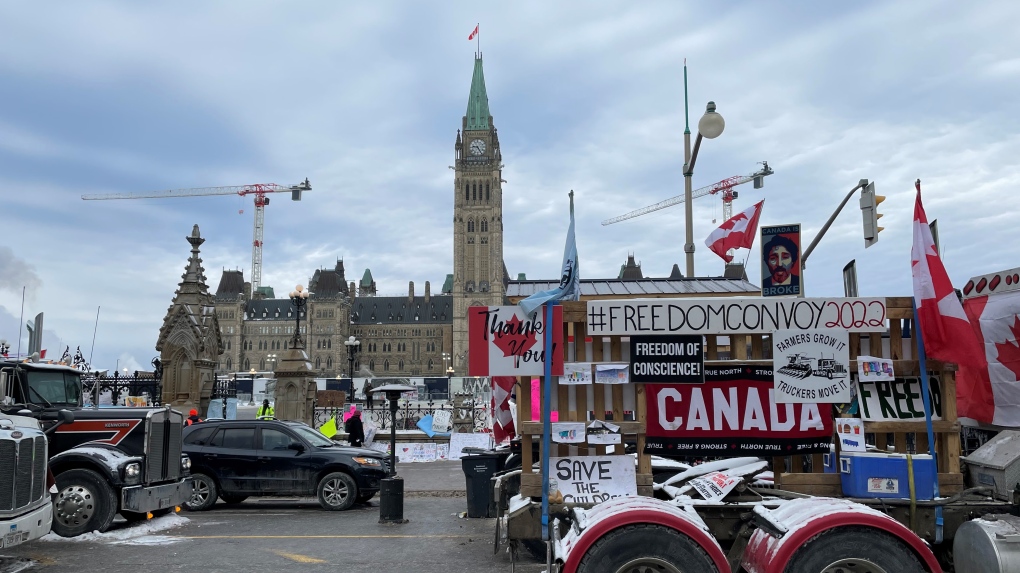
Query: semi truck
[26, 509]
[107, 460]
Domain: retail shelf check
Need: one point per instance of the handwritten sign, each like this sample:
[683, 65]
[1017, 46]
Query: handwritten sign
[576, 373]
[729, 315]
[612, 373]
[594, 479]
[441, 421]
[460, 440]
[871, 369]
[898, 400]
[714, 486]
[503, 341]
[568, 432]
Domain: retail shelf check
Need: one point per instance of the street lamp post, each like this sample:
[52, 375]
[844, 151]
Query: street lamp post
[353, 346]
[299, 298]
[251, 399]
[711, 126]
[391, 489]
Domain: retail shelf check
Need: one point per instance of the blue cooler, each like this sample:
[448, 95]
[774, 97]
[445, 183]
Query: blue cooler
[829, 460]
[878, 475]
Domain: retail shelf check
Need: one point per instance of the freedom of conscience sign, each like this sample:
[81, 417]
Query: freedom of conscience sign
[632, 317]
[594, 479]
[667, 359]
[502, 341]
[734, 413]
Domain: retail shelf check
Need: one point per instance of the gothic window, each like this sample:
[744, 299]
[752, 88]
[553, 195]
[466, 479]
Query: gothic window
[471, 226]
[431, 365]
[386, 366]
[262, 364]
[318, 362]
[371, 365]
[471, 240]
[228, 345]
[469, 286]
[247, 364]
[474, 191]
[484, 286]
[329, 343]
[329, 362]
[485, 226]
[230, 364]
[486, 191]
[401, 365]
[485, 240]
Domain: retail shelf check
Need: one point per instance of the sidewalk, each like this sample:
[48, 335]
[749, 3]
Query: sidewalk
[440, 478]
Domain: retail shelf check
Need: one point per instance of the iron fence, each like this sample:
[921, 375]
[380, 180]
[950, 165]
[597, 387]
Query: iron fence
[119, 386]
[408, 415]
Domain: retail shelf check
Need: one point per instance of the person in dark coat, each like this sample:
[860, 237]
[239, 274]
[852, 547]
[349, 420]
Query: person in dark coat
[192, 418]
[355, 429]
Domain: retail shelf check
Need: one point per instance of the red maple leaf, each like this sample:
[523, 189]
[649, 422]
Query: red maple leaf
[1009, 352]
[512, 341]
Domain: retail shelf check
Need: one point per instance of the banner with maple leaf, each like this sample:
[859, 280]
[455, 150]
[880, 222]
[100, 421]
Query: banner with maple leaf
[992, 394]
[503, 341]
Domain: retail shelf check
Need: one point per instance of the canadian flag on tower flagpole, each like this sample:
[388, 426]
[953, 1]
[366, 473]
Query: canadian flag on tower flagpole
[737, 232]
[946, 331]
[473, 33]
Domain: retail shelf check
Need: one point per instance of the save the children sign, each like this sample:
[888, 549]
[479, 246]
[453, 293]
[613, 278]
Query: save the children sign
[503, 341]
[594, 479]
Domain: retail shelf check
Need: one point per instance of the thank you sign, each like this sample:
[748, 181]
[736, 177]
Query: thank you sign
[503, 341]
[667, 359]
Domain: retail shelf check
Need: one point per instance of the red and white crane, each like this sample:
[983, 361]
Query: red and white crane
[259, 190]
[723, 188]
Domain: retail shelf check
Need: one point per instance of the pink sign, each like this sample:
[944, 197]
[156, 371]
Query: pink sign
[536, 403]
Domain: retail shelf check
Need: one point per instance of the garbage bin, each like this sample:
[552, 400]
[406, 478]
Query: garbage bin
[478, 472]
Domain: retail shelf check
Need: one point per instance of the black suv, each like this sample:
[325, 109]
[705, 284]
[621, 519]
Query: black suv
[236, 459]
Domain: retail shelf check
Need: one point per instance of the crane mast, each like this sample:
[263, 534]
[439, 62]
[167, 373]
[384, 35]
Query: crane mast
[724, 187]
[259, 190]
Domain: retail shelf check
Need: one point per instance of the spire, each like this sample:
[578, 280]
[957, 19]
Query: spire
[478, 102]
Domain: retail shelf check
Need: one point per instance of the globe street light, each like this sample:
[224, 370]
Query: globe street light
[299, 298]
[353, 345]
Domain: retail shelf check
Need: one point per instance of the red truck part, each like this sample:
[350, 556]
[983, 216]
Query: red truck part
[644, 518]
[810, 522]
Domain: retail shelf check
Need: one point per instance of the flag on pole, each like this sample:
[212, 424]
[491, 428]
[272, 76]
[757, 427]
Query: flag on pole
[502, 418]
[570, 279]
[948, 335]
[329, 428]
[66, 356]
[473, 33]
[737, 232]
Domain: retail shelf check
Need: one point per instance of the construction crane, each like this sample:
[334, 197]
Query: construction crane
[724, 187]
[259, 190]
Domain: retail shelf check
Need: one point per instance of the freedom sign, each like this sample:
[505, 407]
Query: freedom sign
[734, 413]
[503, 341]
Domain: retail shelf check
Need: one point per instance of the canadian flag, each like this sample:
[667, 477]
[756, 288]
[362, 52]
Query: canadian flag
[473, 33]
[991, 394]
[737, 232]
[946, 331]
[502, 418]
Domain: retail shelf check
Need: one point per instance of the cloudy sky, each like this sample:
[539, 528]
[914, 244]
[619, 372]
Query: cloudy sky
[364, 99]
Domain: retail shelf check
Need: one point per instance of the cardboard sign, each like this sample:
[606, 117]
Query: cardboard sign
[594, 479]
[851, 435]
[667, 359]
[898, 400]
[612, 373]
[459, 441]
[871, 369]
[714, 486]
[632, 317]
[441, 420]
[576, 373]
[812, 366]
[734, 413]
[503, 341]
[568, 432]
[780, 261]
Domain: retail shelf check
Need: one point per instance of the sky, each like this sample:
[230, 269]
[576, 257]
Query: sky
[365, 99]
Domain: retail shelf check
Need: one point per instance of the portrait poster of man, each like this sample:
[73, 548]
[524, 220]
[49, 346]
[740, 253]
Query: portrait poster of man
[780, 260]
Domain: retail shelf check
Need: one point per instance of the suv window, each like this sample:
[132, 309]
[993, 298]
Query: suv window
[275, 439]
[200, 436]
[234, 438]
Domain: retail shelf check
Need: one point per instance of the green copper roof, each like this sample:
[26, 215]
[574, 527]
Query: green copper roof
[367, 279]
[266, 290]
[478, 101]
[448, 285]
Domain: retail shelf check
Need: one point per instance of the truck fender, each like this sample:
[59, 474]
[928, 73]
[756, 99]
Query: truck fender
[803, 519]
[593, 524]
[106, 460]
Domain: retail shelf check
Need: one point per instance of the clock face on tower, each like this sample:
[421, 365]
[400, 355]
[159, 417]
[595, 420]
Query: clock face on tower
[477, 147]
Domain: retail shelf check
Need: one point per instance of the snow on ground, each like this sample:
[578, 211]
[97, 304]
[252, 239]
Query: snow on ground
[137, 534]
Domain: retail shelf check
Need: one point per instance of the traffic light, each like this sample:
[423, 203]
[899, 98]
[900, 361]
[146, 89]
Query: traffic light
[869, 211]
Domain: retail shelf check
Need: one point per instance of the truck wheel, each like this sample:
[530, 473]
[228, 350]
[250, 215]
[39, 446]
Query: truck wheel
[204, 495]
[860, 549]
[337, 491]
[84, 502]
[645, 547]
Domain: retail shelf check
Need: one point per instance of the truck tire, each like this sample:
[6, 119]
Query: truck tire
[646, 547]
[84, 503]
[337, 491]
[204, 495]
[860, 549]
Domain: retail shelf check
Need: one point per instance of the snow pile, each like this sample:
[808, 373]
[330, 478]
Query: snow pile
[139, 534]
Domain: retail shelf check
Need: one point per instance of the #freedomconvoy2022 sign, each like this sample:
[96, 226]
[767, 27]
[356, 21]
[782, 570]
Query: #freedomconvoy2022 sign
[733, 413]
[758, 315]
[503, 341]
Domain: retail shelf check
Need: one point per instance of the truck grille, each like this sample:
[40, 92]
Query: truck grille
[163, 446]
[22, 472]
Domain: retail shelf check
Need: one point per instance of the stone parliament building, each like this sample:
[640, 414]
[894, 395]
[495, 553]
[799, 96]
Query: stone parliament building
[413, 335]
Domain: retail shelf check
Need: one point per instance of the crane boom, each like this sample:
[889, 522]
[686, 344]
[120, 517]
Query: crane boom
[725, 187]
[259, 190]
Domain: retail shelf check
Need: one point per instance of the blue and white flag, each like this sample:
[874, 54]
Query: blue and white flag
[570, 277]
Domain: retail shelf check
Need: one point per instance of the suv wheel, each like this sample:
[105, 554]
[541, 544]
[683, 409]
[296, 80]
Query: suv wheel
[204, 495]
[337, 491]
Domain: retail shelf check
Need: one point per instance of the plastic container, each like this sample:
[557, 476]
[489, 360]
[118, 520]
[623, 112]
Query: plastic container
[829, 460]
[880, 475]
[478, 472]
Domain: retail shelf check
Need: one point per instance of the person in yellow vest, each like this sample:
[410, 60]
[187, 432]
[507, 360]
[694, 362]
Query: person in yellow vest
[265, 411]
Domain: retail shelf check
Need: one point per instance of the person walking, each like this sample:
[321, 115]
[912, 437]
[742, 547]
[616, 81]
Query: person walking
[355, 429]
[192, 418]
[265, 411]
